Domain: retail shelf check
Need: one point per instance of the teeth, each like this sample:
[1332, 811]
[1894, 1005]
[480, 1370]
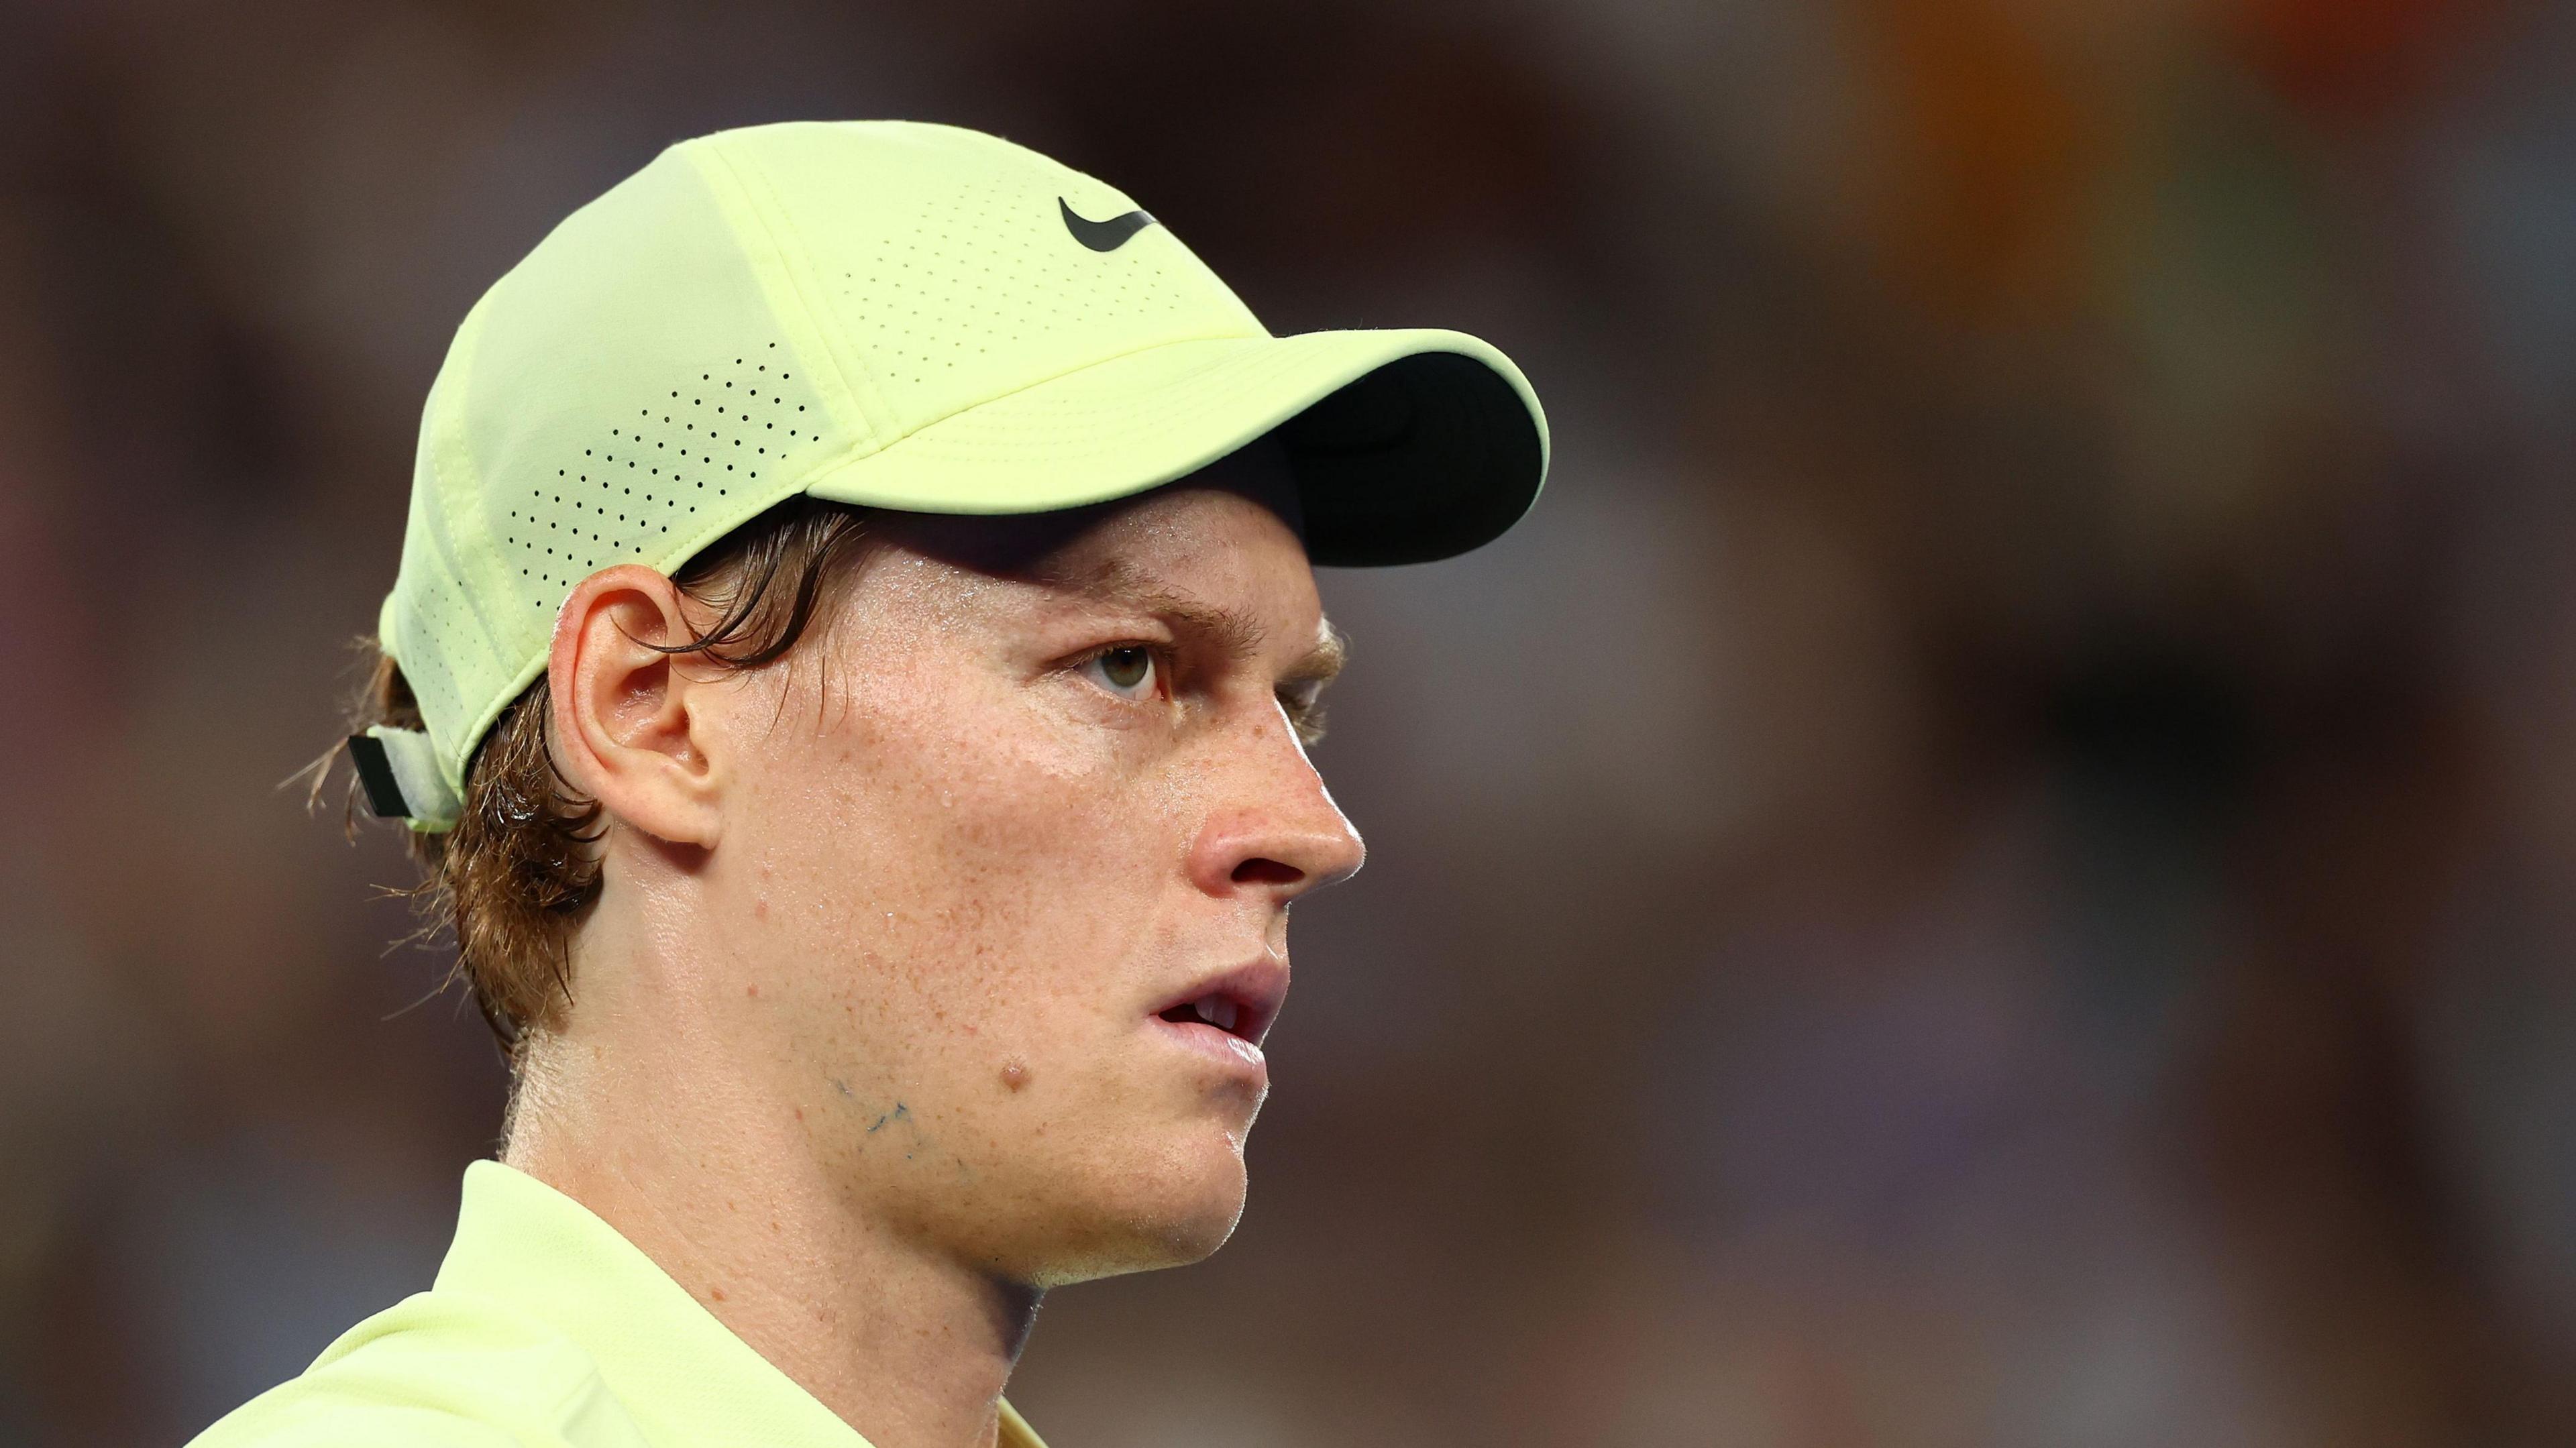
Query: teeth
[1217, 1011]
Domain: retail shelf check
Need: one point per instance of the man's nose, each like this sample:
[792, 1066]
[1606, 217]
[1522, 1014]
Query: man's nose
[1275, 829]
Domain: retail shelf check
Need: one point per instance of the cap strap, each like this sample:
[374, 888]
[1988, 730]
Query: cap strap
[398, 769]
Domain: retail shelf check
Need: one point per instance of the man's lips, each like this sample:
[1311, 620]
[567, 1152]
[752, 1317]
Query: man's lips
[1241, 1002]
[1222, 1017]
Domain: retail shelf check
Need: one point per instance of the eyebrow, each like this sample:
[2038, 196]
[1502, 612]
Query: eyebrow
[1113, 582]
[1233, 630]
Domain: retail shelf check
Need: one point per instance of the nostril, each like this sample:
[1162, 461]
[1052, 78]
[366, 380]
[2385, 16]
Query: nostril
[1258, 871]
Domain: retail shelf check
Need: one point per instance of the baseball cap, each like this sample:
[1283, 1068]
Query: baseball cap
[894, 314]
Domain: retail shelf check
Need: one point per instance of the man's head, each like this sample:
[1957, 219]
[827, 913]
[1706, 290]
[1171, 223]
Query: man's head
[982, 877]
[894, 727]
[951, 880]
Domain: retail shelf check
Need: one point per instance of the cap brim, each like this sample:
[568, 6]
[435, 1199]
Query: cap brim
[1408, 446]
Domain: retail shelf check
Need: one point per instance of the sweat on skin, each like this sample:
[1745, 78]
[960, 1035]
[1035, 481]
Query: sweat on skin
[883, 1021]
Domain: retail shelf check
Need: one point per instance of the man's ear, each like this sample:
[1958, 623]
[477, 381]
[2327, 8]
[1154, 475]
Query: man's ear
[631, 729]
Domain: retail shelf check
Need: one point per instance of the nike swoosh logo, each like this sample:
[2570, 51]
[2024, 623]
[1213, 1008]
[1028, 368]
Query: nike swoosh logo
[1102, 235]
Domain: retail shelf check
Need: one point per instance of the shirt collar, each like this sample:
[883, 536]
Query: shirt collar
[681, 1374]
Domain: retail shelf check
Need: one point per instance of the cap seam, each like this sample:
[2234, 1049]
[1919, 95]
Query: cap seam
[449, 454]
[759, 200]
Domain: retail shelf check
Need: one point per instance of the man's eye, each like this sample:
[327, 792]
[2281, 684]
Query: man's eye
[1128, 669]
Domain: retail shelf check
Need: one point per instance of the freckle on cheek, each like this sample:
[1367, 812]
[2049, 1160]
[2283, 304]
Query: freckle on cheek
[1015, 1075]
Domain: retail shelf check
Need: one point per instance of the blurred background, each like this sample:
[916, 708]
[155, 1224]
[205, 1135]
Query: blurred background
[1996, 864]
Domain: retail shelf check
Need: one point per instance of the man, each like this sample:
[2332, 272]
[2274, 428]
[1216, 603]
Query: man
[848, 679]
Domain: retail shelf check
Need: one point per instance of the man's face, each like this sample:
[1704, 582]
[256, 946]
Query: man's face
[997, 846]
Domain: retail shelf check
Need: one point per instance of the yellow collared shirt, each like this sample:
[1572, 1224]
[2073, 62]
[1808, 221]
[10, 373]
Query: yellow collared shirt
[547, 1328]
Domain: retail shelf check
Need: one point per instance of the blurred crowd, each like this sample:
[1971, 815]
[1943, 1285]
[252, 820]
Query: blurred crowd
[1995, 865]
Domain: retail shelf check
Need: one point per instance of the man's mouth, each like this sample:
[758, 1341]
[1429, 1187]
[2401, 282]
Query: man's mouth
[1216, 1010]
[1241, 1002]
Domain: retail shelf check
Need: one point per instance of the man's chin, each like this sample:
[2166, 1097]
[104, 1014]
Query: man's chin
[1169, 1228]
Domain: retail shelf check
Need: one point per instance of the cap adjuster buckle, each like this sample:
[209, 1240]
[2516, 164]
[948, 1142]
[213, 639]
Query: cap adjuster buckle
[398, 770]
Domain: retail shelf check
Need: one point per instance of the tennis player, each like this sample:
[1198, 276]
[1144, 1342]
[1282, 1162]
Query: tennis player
[848, 681]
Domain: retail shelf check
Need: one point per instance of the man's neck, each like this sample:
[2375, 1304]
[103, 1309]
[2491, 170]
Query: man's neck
[907, 1346]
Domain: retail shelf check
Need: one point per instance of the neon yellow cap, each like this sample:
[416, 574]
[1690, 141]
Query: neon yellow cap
[900, 315]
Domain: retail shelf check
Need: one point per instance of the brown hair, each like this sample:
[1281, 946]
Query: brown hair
[515, 878]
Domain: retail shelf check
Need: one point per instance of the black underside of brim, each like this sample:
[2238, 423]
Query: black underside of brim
[1424, 458]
